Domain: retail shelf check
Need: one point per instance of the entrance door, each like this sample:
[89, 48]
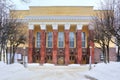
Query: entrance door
[36, 55]
[61, 60]
[72, 55]
[48, 58]
[61, 56]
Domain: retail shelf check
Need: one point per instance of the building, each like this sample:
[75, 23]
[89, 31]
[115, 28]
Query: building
[60, 35]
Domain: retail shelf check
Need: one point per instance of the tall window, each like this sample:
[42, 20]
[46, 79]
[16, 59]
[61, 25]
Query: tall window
[83, 39]
[38, 40]
[50, 39]
[60, 39]
[71, 39]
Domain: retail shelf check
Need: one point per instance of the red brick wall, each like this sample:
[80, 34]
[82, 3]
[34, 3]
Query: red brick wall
[112, 54]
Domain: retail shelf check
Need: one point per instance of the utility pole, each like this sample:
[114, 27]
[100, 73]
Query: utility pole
[90, 59]
[24, 62]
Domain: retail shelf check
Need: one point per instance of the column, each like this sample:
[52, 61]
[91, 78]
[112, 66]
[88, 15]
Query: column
[79, 43]
[92, 46]
[67, 27]
[30, 48]
[55, 37]
[43, 45]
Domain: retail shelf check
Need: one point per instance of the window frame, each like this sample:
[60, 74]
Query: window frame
[63, 41]
[47, 43]
[83, 39]
[38, 40]
[73, 35]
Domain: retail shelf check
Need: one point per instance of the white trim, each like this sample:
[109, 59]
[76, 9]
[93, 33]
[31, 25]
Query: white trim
[31, 26]
[55, 26]
[67, 26]
[58, 18]
[79, 26]
[59, 22]
[43, 26]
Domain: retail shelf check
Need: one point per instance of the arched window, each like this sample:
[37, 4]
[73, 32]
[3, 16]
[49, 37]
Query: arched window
[49, 39]
[71, 39]
[83, 39]
[60, 39]
[38, 40]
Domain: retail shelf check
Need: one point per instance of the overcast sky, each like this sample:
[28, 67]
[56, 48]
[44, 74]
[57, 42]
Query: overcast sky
[23, 6]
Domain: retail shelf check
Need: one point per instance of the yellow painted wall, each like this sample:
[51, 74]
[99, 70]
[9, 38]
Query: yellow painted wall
[61, 10]
[20, 14]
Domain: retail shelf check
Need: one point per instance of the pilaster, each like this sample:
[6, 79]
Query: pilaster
[55, 37]
[79, 43]
[67, 54]
[43, 41]
[30, 48]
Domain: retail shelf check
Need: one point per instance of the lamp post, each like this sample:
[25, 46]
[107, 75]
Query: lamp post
[90, 59]
[24, 62]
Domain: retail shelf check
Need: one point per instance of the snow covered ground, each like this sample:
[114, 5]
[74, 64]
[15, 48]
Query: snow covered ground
[47, 71]
[104, 71]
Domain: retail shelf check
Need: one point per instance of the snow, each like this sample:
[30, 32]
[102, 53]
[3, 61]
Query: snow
[47, 71]
[102, 71]
[48, 64]
[74, 65]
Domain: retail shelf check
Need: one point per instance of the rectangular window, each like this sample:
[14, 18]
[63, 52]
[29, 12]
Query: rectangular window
[60, 39]
[71, 39]
[38, 40]
[83, 39]
[50, 39]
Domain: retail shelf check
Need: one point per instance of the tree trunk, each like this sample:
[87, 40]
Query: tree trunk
[0, 52]
[104, 54]
[108, 59]
[119, 50]
[7, 55]
[13, 54]
[10, 54]
[118, 54]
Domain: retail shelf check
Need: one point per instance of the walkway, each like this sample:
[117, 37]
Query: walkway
[59, 72]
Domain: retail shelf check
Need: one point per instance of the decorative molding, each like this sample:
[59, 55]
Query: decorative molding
[58, 18]
[58, 22]
[67, 26]
[79, 26]
[43, 26]
[55, 26]
[31, 26]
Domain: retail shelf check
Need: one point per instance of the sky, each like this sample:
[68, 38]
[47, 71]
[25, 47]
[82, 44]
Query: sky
[24, 6]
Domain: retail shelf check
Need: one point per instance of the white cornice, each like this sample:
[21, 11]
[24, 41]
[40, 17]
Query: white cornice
[58, 18]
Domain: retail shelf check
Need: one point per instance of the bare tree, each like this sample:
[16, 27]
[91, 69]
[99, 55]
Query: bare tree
[10, 32]
[104, 23]
[116, 31]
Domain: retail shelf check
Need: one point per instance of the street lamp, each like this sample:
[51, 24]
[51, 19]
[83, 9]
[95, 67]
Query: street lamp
[90, 59]
[24, 62]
